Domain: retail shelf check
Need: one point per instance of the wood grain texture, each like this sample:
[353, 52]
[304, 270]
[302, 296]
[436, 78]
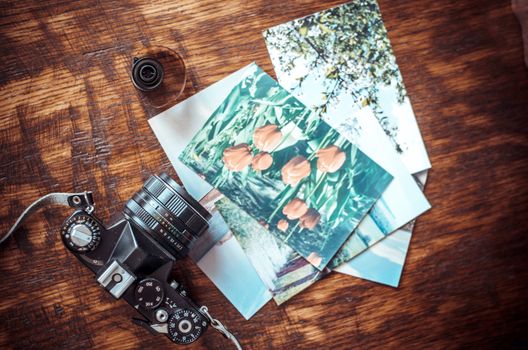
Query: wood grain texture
[71, 120]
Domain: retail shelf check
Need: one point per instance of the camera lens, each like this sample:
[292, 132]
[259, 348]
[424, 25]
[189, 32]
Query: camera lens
[168, 214]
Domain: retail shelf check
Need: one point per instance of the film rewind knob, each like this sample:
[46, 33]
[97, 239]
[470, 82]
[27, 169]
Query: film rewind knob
[81, 234]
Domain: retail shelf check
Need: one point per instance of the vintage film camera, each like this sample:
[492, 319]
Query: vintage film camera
[133, 258]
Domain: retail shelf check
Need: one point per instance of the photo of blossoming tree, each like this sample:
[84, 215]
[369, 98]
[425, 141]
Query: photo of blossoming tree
[288, 169]
[342, 58]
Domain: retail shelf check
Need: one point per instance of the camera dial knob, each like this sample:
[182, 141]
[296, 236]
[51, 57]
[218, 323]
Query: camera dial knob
[149, 293]
[81, 233]
[185, 326]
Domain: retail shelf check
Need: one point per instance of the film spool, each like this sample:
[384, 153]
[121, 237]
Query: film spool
[159, 76]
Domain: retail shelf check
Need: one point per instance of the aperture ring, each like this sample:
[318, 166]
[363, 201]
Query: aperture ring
[163, 210]
[185, 196]
[134, 212]
[179, 208]
[163, 217]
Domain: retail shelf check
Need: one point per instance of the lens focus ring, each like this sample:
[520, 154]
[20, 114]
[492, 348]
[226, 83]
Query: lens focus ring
[168, 214]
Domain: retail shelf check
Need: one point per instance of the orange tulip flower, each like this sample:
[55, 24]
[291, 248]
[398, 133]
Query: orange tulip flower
[282, 225]
[310, 219]
[267, 137]
[236, 158]
[295, 170]
[262, 161]
[295, 209]
[330, 159]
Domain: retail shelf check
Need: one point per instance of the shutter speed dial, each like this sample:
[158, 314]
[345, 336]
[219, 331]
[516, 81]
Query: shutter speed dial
[185, 326]
[81, 233]
[149, 293]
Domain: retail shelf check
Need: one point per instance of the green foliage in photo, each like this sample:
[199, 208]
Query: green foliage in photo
[349, 47]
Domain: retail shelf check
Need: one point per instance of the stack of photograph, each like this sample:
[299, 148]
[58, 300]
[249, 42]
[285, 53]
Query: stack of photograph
[321, 171]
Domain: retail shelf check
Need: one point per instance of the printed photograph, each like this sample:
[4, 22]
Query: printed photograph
[281, 269]
[314, 60]
[219, 255]
[286, 167]
[345, 51]
[383, 262]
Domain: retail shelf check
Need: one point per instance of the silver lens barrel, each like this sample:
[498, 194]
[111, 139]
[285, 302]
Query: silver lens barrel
[168, 214]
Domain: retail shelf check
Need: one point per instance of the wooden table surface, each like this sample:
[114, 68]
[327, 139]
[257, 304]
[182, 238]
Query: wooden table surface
[71, 120]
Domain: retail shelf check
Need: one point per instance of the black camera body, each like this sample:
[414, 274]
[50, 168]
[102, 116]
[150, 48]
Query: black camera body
[133, 258]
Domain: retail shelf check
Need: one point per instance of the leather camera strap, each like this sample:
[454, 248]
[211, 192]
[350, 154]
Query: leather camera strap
[82, 200]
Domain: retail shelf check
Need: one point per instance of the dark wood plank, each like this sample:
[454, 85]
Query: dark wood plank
[71, 120]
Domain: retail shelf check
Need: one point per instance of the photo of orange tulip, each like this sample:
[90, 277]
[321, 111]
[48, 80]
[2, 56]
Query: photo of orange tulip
[283, 165]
